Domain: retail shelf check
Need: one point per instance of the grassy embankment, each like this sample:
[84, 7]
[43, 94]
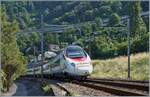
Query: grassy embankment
[118, 67]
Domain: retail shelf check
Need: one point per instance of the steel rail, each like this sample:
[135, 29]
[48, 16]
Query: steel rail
[64, 89]
[121, 84]
[121, 91]
[123, 80]
[109, 89]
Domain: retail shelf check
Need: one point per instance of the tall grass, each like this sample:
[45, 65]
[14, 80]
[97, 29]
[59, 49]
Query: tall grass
[118, 67]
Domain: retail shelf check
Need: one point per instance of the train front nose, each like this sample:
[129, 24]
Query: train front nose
[85, 69]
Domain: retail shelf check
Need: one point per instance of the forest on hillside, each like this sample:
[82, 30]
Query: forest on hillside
[28, 13]
[108, 42]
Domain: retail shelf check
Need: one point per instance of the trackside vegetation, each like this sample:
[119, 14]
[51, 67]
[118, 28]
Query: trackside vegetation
[118, 67]
[12, 60]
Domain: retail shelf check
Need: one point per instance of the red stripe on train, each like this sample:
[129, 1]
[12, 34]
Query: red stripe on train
[79, 59]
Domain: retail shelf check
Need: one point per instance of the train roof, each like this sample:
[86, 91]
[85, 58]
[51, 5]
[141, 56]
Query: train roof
[73, 46]
[37, 64]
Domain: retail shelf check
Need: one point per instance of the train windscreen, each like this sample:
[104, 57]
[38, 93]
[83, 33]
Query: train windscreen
[75, 52]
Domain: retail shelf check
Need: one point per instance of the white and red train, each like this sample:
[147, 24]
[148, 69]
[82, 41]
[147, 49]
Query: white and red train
[72, 61]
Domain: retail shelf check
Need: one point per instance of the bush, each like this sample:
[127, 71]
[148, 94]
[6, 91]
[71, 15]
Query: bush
[118, 67]
[2, 81]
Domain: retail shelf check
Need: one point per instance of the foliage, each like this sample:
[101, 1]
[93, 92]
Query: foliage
[114, 19]
[139, 67]
[12, 59]
[2, 76]
[27, 42]
[98, 21]
[136, 22]
[107, 42]
[28, 13]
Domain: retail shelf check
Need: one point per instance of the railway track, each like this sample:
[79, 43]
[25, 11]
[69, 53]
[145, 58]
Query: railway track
[122, 80]
[113, 89]
[126, 84]
[56, 89]
[64, 90]
[116, 87]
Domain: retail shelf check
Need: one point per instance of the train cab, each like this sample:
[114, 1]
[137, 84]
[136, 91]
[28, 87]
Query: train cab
[78, 61]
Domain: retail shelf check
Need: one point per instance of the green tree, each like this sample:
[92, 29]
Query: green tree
[13, 62]
[68, 35]
[114, 19]
[98, 21]
[46, 12]
[116, 6]
[137, 25]
[105, 11]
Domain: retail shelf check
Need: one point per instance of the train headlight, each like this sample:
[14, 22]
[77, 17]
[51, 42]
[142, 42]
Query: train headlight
[73, 64]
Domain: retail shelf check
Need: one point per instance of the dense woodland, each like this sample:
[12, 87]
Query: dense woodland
[28, 15]
[107, 42]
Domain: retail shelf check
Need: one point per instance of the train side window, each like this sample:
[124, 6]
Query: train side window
[63, 56]
[85, 53]
[47, 66]
[58, 61]
[29, 70]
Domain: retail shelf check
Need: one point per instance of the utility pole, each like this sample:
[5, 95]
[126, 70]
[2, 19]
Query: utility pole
[42, 50]
[90, 46]
[34, 62]
[128, 34]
